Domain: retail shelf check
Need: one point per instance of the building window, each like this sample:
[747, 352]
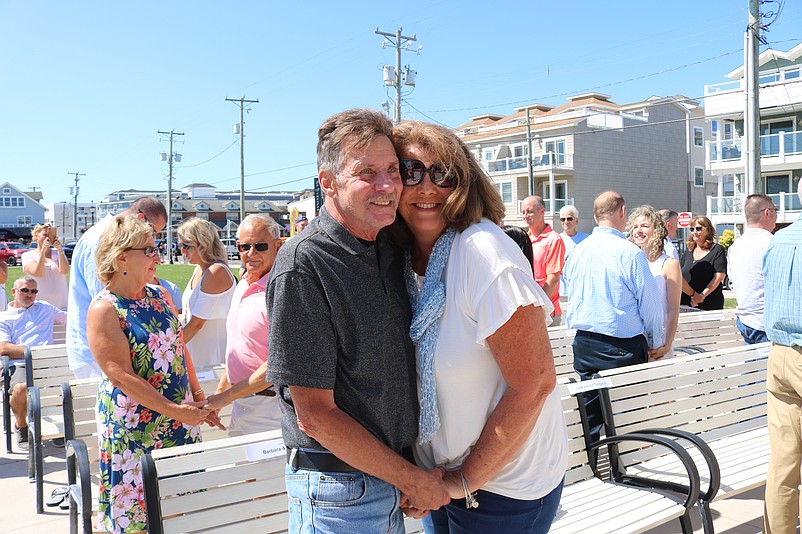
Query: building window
[488, 155]
[792, 74]
[698, 177]
[558, 149]
[232, 216]
[12, 202]
[6, 190]
[203, 216]
[520, 151]
[24, 220]
[698, 137]
[505, 190]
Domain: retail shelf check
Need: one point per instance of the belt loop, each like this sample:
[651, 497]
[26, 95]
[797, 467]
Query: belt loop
[293, 459]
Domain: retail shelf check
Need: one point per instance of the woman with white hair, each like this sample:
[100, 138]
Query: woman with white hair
[569, 219]
[208, 295]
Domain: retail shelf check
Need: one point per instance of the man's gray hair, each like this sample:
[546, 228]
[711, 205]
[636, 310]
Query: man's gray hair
[27, 278]
[668, 214]
[265, 221]
[569, 209]
[355, 128]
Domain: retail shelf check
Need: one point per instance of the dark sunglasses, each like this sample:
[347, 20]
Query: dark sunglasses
[697, 228]
[259, 247]
[413, 171]
[569, 219]
[149, 251]
[184, 246]
[26, 290]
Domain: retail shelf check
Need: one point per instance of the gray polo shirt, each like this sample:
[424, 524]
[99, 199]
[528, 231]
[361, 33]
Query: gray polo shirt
[339, 319]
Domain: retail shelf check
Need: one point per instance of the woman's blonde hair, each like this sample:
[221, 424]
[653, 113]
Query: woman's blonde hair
[655, 246]
[203, 234]
[474, 196]
[711, 233]
[38, 229]
[122, 233]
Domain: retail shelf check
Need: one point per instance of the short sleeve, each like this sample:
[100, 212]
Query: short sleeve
[28, 257]
[510, 290]
[720, 261]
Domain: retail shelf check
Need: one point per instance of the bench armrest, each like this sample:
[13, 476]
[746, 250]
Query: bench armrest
[150, 483]
[6, 363]
[703, 448]
[690, 466]
[80, 485]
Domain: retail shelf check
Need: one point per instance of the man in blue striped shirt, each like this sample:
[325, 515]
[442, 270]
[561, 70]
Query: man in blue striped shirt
[614, 302]
[782, 274]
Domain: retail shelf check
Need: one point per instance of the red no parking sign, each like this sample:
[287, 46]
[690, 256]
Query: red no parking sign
[684, 219]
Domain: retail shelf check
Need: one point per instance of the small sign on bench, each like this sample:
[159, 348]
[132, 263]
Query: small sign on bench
[266, 449]
[587, 385]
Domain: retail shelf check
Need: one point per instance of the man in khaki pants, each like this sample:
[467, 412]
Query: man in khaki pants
[782, 272]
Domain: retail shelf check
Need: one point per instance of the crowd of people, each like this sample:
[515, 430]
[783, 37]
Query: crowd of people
[399, 339]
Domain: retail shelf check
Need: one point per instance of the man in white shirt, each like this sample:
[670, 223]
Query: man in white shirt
[569, 219]
[26, 323]
[745, 266]
[670, 217]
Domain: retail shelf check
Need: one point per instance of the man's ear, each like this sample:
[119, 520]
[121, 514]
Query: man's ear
[327, 182]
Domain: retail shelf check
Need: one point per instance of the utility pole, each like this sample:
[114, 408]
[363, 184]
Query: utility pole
[529, 157]
[392, 77]
[170, 155]
[75, 205]
[242, 102]
[752, 74]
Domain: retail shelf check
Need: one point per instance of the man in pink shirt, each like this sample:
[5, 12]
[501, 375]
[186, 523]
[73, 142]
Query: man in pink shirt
[548, 252]
[255, 407]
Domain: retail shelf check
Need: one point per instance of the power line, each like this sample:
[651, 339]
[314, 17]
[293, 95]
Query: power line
[213, 157]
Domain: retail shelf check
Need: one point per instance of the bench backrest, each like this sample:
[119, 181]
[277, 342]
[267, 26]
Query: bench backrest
[46, 367]
[232, 482]
[80, 423]
[578, 467]
[700, 331]
[59, 333]
[712, 394]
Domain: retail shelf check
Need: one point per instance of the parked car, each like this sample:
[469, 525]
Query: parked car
[231, 248]
[68, 248]
[11, 252]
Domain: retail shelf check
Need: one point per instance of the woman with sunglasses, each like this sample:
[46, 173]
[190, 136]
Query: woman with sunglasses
[145, 399]
[647, 229]
[207, 298]
[490, 415]
[704, 266]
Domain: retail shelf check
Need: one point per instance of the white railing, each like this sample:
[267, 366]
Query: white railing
[539, 162]
[766, 78]
[771, 146]
[785, 202]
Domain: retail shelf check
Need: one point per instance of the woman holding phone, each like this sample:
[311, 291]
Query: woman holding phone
[48, 264]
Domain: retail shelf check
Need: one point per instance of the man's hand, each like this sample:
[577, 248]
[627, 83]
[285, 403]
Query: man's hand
[427, 490]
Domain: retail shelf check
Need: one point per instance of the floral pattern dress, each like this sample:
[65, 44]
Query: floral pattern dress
[127, 429]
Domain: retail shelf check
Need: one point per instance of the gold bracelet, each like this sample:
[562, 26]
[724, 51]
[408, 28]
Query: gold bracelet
[198, 392]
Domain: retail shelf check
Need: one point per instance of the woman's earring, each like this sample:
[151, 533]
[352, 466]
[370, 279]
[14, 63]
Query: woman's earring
[125, 273]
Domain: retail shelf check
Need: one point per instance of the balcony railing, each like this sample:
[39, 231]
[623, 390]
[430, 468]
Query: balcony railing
[771, 146]
[785, 202]
[541, 161]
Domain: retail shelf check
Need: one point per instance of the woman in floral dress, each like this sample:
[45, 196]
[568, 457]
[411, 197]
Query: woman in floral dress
[149, 397]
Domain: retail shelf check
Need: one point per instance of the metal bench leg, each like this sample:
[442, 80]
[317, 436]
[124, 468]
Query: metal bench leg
[707, 518]
[685, 522]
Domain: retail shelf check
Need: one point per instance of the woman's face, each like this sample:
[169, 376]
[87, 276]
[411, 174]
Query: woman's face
[139, 262]
[421, 205]
[699, 232]
[642, 231]
[189, 249]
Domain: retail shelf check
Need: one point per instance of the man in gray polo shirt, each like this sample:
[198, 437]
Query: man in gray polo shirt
[340, 354]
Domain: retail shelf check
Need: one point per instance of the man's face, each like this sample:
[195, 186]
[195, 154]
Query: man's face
[569, 221]
[671, 228]
[363, 197]
[299, 226]
[533, 214]
[24, 293]
[157, 223]
[257, 264]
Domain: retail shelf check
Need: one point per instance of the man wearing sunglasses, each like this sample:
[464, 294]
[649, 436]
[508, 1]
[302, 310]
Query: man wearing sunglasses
[340, 353]
[84, 284]
[25, 323]
[569, 220]
[548, 252]
[256, 408]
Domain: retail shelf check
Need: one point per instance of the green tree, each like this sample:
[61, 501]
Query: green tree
[726, 238]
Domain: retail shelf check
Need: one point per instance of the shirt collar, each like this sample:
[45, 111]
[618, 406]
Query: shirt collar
[609, 230]
[337, 232]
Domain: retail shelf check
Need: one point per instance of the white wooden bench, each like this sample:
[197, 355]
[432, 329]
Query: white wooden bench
[7, 370]
[46, 368]
[80, 430]
[589, 504]
[227, 485]
[714, 403]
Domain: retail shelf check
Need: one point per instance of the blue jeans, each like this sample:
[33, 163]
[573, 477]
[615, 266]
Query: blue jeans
[495, 514]
[333, 503]
[750, 335]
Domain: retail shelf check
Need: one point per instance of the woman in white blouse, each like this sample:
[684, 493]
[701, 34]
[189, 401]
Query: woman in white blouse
[48, 266]
[208, 295]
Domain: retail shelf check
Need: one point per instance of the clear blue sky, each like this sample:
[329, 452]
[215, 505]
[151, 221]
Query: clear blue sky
[85, 85]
